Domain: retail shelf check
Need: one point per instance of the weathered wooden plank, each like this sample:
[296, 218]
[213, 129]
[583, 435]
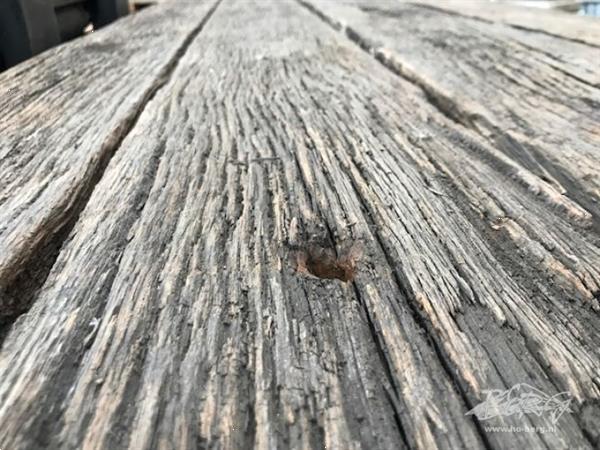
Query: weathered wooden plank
[62, 115]
[193, 326]
[542, 117]
[572, 58]
[220, 306]
[554, 23]
[518, 119]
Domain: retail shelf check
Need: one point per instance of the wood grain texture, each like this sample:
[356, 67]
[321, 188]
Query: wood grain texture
[182, 312]
[555, 23]
[575, 59]
[517, 114]
[542, 117]
[63, 114]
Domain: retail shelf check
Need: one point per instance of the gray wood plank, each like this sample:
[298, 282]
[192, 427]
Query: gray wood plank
[572, 58]
[62, 116]
[541, 135]
[542, 117]
[187, 316]
[554, 23]
[262, 357]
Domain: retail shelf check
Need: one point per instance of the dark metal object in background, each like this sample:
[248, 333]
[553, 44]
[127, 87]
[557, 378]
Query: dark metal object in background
[72, 19]
[28, 27]
[106, 11]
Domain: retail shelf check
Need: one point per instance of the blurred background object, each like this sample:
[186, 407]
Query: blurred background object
[590, 9]
[28, 27]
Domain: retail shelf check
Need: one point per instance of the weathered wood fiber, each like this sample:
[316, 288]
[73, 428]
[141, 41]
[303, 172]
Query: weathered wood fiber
[180, 312]
[62, 115]
[554, 23]
[573, 58]
[520, 113]
[541, 116]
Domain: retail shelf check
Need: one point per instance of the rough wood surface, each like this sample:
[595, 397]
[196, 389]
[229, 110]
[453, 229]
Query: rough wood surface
[572, 58]
[63, 115]
[542, 136]
[197, 301]
[554, 23]
[513, 94]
